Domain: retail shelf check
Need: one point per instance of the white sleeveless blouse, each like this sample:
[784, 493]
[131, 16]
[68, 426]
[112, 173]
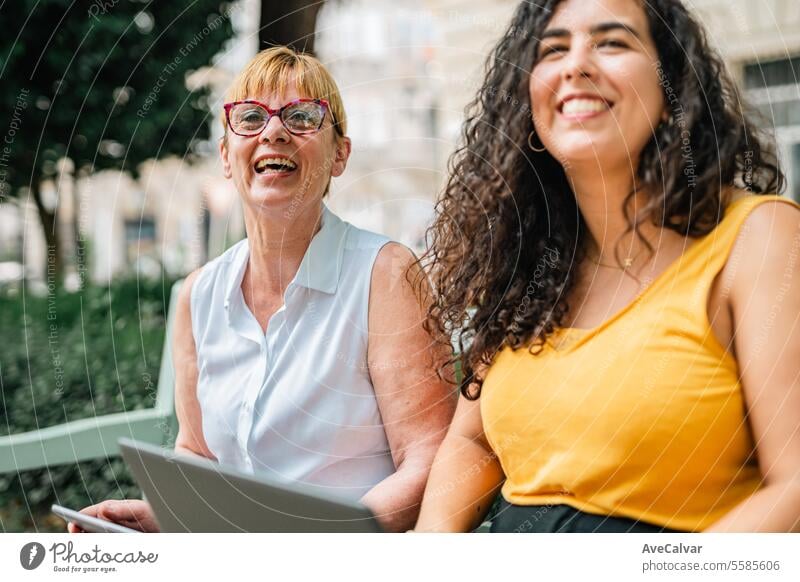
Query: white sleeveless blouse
[296, 403]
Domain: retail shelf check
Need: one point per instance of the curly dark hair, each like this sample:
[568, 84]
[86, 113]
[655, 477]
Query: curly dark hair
[508, 230]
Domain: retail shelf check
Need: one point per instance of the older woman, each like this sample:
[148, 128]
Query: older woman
[631, 304]
[300, 352]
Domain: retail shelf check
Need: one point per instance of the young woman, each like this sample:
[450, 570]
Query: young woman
[627, 305]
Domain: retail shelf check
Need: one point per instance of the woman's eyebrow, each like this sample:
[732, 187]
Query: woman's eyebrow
[607, 26]
[596, 29]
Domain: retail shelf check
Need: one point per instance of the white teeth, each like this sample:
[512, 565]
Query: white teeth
[577, 106]
[285, 164]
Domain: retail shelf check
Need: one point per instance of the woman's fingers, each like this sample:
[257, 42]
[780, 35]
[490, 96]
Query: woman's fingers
[132, 513]
[118, 510]
[91, 510]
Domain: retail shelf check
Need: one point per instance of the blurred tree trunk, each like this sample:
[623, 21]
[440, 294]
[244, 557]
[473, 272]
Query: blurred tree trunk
[292, 23]
[79, 241]
[53, 264]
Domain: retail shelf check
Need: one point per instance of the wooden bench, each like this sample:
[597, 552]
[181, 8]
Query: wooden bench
[95, 438]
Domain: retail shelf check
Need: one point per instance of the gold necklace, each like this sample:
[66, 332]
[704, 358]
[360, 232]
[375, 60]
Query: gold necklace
[627, 264]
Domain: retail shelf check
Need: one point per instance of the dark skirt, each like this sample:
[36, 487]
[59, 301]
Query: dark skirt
[562, 519]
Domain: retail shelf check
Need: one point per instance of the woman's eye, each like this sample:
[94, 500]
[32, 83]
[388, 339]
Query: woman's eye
[251, 116]
[552, 49]
[612, 43]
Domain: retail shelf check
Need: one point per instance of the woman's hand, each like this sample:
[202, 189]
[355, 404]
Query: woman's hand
[132, 513]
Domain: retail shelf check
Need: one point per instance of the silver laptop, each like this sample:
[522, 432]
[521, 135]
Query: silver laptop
[192, 494]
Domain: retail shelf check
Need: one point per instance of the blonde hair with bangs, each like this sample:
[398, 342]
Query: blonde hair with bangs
[273, 69]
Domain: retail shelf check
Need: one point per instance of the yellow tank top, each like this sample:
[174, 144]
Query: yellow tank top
[641, 417]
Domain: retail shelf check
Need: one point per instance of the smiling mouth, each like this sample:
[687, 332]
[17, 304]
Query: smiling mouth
[274, 166]
[584, 107]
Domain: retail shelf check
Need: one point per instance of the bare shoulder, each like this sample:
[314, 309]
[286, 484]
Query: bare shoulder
[771, 227]
[185, 293]
[394, 270]
[391, 257]
[766, 248]
[396, 299]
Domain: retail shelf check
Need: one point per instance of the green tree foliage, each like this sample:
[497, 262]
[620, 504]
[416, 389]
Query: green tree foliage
[103, 83]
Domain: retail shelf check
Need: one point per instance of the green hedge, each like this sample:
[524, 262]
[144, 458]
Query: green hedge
[66, 356]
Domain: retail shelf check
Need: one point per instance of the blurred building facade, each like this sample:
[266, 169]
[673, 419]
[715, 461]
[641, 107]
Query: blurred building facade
[760, 41]
[406, 71]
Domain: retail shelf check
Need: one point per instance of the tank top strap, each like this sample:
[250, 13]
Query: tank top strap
[715, 248]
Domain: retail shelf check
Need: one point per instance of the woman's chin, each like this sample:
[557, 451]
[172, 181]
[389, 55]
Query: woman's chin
[597, 146]
[272, 197]
[587, 150]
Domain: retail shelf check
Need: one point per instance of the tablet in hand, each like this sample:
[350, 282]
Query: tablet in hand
[89, 523]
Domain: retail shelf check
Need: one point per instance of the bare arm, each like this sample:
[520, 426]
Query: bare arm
[137, 513]
[465, 478]
[415, 405]
[765, 305]
[190, 438]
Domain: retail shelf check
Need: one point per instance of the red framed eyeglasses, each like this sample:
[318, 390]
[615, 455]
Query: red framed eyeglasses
[299, 117]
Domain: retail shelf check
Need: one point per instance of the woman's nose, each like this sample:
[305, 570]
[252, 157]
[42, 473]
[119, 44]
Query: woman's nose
[578, 63]
[274, 131]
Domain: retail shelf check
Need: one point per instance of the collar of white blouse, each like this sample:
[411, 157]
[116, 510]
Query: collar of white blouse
[321, 264]
[319, 270]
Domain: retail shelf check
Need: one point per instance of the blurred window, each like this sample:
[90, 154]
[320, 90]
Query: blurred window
[774, 88]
